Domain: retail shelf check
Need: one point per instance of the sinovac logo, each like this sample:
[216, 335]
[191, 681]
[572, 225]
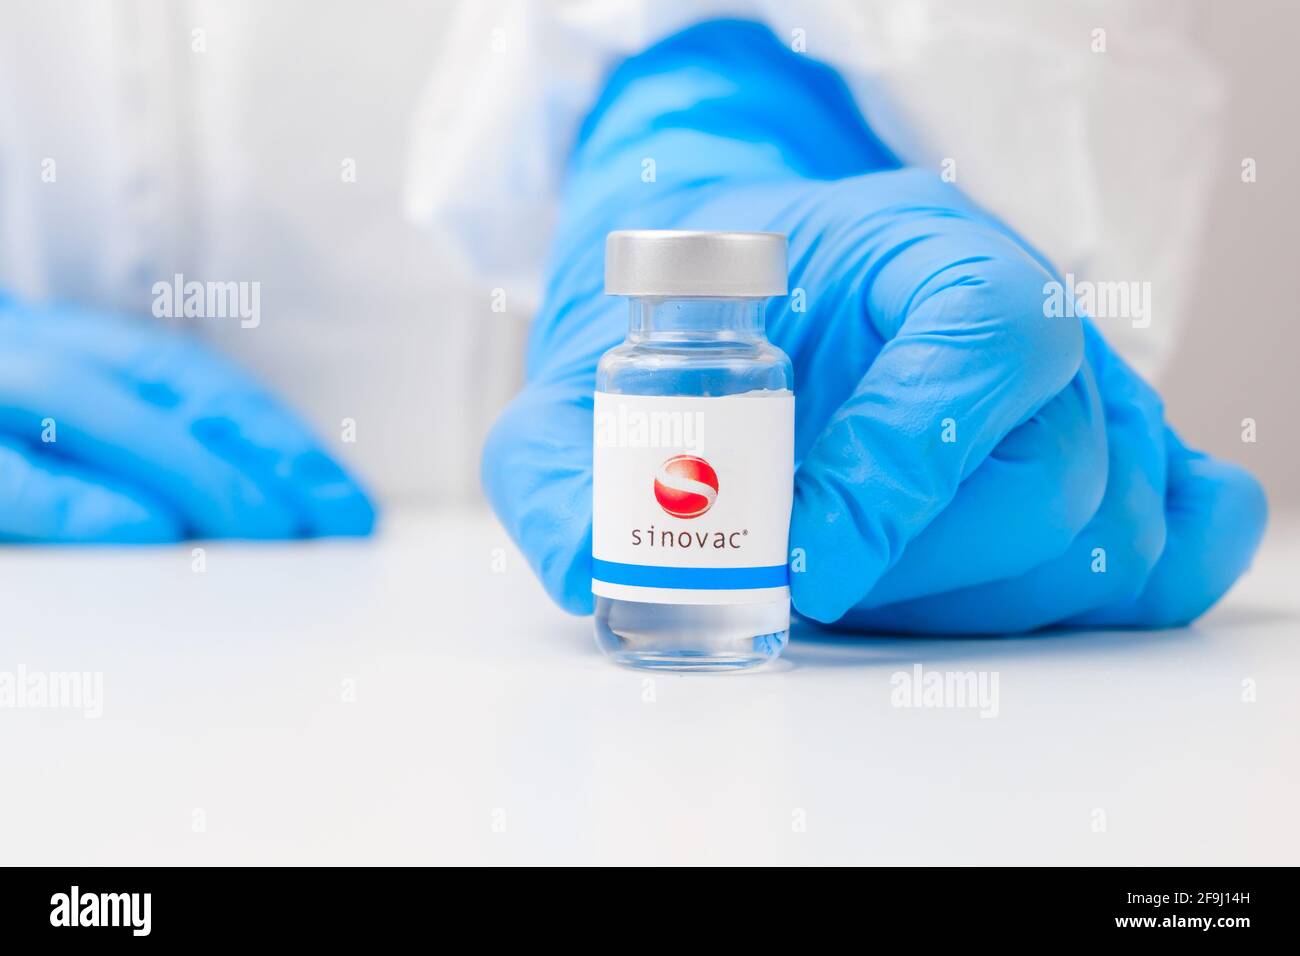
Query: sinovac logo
[75, 908]
[686, 486]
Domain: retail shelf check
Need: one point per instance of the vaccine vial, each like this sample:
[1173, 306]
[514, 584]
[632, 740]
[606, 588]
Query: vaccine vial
[693, 469]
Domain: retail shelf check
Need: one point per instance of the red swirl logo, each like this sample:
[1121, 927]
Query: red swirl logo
[686, 486]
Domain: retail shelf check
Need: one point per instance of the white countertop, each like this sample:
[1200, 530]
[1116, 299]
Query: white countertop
[486, 727]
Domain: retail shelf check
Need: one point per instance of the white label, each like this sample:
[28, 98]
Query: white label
[691, 498]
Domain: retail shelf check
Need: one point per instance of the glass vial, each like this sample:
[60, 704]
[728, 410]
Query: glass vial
[693, 455]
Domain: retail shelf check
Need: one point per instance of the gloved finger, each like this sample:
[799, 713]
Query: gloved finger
[1107, 563]
[536, 471]
[165, 365]
[1216, 513]
[45, 499]
[1020, 508]
[111, 431]
[227, 411]
[960, 305]
[253, 432]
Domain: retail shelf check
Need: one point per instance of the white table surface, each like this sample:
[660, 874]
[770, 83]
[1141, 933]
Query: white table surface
[486, 727]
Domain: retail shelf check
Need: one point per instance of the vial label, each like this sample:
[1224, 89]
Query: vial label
[691, 497]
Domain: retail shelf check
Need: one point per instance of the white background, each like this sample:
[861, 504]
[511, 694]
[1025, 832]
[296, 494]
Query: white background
[226, 165]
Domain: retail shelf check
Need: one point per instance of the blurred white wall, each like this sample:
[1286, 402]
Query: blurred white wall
[226, 164]
[1236, 355]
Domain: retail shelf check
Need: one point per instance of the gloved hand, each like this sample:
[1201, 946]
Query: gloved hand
[964, 463]
[154, 439]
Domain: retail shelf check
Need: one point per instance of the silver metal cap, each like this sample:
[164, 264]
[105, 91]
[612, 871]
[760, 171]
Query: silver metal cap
[669, 262]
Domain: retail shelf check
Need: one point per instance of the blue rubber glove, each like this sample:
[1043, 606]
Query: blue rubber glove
[924, 322]
[118, 431]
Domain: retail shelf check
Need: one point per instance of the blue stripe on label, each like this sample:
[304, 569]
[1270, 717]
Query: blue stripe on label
[695, 579]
